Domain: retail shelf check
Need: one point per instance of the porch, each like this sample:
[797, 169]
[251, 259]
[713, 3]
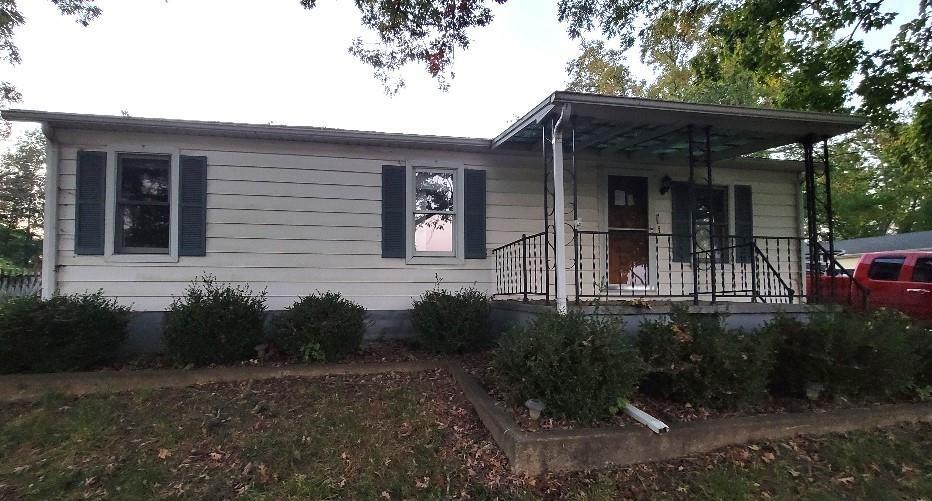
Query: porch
[702, 243]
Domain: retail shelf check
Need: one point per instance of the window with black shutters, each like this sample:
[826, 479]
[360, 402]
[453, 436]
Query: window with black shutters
[143, 204]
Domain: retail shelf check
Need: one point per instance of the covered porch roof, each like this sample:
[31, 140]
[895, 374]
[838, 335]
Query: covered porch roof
[631, 127]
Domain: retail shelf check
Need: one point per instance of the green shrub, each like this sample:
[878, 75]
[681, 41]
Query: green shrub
[694, 358]
[580, 367]
[64, 333]
[849, 353]
[452, 322]
[322, 326]
[922, 340]
[214, 323]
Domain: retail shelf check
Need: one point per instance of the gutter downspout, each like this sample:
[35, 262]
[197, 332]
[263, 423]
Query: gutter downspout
[50, 223]
[559, 232]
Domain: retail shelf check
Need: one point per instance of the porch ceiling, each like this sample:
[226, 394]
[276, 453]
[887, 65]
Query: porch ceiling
[618, 126]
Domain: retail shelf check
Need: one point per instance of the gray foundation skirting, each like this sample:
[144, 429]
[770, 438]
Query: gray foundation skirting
[145, 328]
[506, 313]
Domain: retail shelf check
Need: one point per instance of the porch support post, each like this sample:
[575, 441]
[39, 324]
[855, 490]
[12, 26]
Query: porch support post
[709, 189]
[559, 232]
[829, 214]
[543, 150]
[694, 262]
[812, 227]
[576, 242]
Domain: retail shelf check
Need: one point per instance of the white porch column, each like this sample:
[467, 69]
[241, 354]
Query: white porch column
[559, 232]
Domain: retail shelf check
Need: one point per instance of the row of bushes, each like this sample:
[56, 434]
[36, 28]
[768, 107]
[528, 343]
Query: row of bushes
[582, 368]
[215, 323]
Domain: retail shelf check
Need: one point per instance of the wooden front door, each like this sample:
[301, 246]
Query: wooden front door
[628, 248]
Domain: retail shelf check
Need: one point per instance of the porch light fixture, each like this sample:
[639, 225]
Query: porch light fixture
[665, 184]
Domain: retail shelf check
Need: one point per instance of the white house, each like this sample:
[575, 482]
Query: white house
[656, 199]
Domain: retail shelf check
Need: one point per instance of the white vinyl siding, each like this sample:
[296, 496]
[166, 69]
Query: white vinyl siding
[294, 217]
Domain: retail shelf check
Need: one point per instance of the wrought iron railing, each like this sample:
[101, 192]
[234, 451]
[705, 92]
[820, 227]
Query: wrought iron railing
[830, 282]
[761, 268]
[522, 267]
[766, 269]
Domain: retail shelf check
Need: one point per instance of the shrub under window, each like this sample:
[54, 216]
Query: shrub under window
[215, 323]
[64, 333]
[452, 322]
[581, 367]
[849, 353]
[322, 326]
[695, 359]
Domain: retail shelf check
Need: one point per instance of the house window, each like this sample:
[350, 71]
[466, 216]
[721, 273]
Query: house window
[143, 205]
[434, 212]
[711, 222]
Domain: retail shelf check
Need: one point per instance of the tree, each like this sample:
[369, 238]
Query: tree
[810, 49]
[415, 31]
[21, 183]
[84, 11]
[794, 55]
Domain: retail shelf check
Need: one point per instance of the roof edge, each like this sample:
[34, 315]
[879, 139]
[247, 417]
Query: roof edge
[719, 109]
[246, 130]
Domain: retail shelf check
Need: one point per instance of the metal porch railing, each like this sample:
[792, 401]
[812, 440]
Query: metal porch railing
[764, 269]
[828, 282]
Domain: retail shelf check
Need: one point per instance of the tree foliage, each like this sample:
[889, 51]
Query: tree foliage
[84, 11]
[22, 177]
[794, 55]
[415, 31]
[22, 180]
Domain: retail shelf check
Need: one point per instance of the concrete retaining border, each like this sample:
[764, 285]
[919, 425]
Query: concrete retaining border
[27, 387]
[574, 450]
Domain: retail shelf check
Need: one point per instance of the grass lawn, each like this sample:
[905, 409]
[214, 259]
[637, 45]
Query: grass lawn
[389, 437]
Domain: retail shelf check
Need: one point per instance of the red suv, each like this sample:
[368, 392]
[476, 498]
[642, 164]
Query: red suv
[900, 280]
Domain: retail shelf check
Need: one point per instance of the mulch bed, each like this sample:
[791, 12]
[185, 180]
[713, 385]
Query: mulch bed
[480, 366]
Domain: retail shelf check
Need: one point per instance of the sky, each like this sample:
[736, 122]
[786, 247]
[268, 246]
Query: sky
[230, 60]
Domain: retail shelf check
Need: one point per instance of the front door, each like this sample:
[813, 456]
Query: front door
[628, 228]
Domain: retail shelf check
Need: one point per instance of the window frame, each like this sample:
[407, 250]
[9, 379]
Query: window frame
[727, 192]
[153, 148]
[916, 270]
[881, 260]
[428, 257]
[119, 202]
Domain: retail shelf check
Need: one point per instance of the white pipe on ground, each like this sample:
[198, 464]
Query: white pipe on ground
[559, 232]
[655, 425]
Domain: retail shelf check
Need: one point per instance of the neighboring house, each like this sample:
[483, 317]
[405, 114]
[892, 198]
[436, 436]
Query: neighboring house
[140, 206]
[850, 251]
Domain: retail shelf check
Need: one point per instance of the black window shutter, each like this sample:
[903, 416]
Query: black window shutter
[474, 189]
[192, 212]
[90, 202]
[744, 223]
[682, 228]
[393, 211]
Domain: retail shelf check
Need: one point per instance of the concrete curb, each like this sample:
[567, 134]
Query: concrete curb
[27, 387]
[573, 450]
